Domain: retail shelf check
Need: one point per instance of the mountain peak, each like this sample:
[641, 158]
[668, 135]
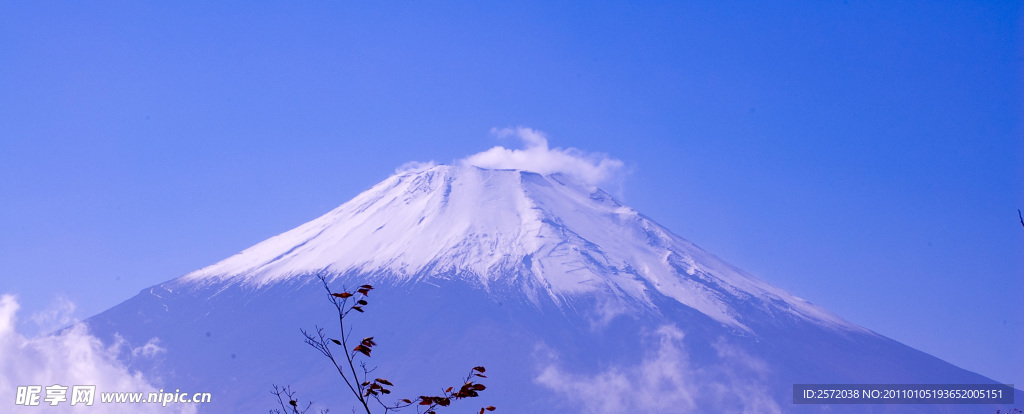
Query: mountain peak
[542, 235]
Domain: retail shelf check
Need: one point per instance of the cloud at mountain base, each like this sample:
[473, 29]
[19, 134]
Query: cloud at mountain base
[71, 357]
[664, 381]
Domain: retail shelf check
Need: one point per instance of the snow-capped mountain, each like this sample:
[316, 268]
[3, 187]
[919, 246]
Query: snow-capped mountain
[575, 303]
[538, 235]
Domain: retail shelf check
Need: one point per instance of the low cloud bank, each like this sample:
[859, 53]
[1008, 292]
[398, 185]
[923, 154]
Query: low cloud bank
[72, 357]
[666, 381]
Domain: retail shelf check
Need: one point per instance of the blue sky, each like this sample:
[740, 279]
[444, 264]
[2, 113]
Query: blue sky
[866, 156]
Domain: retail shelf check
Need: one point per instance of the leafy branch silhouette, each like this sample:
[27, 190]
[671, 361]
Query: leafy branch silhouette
[368, 390]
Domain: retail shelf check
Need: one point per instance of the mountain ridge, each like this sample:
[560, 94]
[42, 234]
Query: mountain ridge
[561, 236]
[565, 294]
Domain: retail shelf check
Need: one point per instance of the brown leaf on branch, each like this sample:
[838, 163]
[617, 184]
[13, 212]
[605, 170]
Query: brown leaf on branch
[362, 349]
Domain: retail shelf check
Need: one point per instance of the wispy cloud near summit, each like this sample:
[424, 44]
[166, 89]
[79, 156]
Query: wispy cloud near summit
[536, 156]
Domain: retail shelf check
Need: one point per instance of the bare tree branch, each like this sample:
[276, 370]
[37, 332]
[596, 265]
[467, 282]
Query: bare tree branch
[292, 407]
[362, 386]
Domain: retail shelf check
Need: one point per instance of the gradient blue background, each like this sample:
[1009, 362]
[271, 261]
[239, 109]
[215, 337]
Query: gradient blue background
[866, 156]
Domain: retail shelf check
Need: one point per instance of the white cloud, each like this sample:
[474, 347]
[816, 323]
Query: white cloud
[591, 168]
[660, 383]
[605, 310]
[58, 315]
[72, 357]
[414, 166]
[666, 381]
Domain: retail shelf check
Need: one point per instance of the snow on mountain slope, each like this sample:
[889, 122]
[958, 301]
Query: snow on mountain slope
[564, 294]
[561, 238]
